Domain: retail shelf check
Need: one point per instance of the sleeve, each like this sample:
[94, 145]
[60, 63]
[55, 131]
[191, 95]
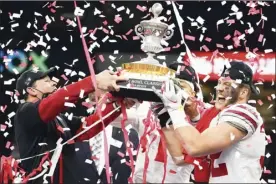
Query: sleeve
[109, 114]
[74, 123]
[55, 103]
[243, 117]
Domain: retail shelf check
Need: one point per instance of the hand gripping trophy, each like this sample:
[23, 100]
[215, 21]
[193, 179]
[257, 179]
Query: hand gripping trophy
[148, 72]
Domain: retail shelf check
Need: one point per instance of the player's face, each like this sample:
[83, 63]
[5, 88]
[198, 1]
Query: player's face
[226, 92]
[45, 85]
[185, 86]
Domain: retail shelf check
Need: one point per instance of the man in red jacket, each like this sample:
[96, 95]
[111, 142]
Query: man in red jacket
[39, 123]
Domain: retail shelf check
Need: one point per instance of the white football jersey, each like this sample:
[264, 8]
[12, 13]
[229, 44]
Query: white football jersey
[240, 163]
[155, 172]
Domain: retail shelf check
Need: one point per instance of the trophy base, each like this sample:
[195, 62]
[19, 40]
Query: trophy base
[139, 89]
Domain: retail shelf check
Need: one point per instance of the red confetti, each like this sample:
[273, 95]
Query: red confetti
[120, 154]
[227, 37]
[189, 37]
[208, 39]
[167, 49]
[205, 48]
[172, 171]
[3, 127]
[130, 31]
[8, 144]
[53, 10]
[260, 39]
[101, 58]
[71, 142]
[260, 102]
[142, 9]
[230, 21]
[105, 22]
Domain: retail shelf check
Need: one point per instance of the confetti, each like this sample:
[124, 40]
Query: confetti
[189, 37]
[88, 161]
[206, 78]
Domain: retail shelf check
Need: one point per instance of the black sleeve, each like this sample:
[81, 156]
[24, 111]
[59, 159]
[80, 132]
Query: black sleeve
[74, 124]
[29, 116]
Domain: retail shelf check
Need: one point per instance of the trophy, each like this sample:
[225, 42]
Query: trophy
[148, 73]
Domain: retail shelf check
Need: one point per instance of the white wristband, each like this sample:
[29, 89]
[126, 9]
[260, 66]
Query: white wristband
[178, 118]
[182, 124]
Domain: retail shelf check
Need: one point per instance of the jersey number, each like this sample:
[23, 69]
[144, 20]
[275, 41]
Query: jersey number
[221, 170]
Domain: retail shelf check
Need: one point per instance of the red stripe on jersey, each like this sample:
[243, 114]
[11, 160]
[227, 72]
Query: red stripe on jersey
[252, 121]
[248, 109]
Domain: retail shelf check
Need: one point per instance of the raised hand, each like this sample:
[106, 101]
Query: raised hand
[161, 113]
[107, 80]
[172, 98]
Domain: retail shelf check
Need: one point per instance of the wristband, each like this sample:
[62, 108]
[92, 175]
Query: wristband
[178, 118]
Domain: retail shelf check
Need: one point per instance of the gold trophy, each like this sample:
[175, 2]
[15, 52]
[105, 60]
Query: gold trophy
[148, 73]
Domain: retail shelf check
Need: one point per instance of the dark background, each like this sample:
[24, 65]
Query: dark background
[127, 46]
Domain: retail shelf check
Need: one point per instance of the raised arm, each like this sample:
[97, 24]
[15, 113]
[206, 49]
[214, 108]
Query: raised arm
[54, 104]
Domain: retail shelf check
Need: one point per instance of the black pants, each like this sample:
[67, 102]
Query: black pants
[121, 172]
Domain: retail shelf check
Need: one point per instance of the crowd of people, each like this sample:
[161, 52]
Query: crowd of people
[178, 140]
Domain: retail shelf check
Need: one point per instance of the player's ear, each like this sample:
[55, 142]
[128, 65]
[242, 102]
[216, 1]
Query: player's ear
[193, 93]
[244, 92]
[31, 91]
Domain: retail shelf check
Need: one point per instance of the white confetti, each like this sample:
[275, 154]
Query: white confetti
[44, 54]
[200, 20]
[268, 51]
[69, 104]
[234, 8]
[9, 82]
[267, 155]
[81, 93]
[88, 161]
[6, 134]
[161, 57]
[206, 78]
[37, 14]
[15, 25]
[42, 144]
[223, 3]
[116, 143]
[232, 136]
[120, 8]
[105, 38]
[239, 15]
[250, 30]
[86, 5]
[78, 11]
[209, 9]
[64, 48]
[264, 18]
[220, 22]
[123, 160]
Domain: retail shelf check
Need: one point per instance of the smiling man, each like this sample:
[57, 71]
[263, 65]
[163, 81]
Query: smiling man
[235, 139]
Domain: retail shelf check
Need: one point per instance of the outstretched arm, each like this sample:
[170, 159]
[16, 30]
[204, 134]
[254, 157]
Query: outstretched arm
[54, 104]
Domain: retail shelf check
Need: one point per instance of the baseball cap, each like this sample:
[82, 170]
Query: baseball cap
[239, 70]
[187, 72]
[28, 78]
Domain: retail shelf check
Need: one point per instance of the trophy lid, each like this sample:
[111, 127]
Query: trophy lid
[155, 22]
